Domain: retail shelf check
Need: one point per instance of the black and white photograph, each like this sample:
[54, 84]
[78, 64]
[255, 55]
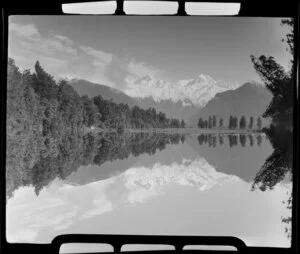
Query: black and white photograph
[145, 125]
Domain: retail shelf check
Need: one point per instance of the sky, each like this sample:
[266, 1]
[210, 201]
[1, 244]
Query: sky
[114, 49]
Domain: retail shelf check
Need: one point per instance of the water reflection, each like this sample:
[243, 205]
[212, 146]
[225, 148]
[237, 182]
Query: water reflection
[91, 149]
[214, 140]
[279, 163]
[186, 184]
[278, 168]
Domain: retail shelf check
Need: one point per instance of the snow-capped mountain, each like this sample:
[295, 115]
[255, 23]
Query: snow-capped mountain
[181, 100]
[197, 91]
[198, 173]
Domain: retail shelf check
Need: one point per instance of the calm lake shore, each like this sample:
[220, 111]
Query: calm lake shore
[178, 130]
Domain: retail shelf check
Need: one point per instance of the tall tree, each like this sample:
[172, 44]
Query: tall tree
[201, 123]
[259, 123]
[279, 83]
[243, 122]
[214, 121]
[182, 123]
[235, 122]
[230, 124]
[210, 123]
[251, 122]
[43, 83]
[221, 122]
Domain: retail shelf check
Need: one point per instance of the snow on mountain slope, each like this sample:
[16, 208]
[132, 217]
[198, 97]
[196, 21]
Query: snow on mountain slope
[199, 91]
[198, 173]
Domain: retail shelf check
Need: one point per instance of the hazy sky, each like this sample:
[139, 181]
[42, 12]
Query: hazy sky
[109, 49]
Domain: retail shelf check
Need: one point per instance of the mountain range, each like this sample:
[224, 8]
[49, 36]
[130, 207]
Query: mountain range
[179, 109]
[189, 172]
[186, 99]
[197, 91]
[197, 173]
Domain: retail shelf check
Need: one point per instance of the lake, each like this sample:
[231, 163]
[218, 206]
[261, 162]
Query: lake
[157, 184]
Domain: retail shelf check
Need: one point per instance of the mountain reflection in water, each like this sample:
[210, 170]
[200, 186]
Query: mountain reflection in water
[150, 183]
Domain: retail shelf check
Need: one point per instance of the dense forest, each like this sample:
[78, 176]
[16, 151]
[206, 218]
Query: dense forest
[233, 123]
[47, 120]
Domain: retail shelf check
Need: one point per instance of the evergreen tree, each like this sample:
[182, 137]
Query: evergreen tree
[221, 122]
[43, 83]
[243, 122]
[182, 124]
[251, 122]
[235, 122]
[230, 124]
[210, 122]
[201, 123]
[259, 123]
[214, 121]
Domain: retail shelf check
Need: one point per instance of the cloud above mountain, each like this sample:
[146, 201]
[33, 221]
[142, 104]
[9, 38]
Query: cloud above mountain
[63, 57]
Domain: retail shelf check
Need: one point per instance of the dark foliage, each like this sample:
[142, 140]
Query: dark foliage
[46, 123]
[279, 83]
[279, 163]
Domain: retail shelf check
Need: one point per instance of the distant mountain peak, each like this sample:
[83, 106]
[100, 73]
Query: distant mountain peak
[198, 91]
[205, 79]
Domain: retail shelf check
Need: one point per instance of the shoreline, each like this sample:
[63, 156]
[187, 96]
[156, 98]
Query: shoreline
[177, 131]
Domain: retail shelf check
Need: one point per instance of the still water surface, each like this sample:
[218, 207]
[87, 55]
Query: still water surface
[169, 185]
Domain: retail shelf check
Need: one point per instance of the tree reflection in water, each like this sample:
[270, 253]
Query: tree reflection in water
[97, 149]
[277, 166]
[214, 140]
[76, 150]
[279, 163]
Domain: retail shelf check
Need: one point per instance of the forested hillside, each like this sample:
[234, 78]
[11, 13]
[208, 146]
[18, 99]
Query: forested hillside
[46, 122]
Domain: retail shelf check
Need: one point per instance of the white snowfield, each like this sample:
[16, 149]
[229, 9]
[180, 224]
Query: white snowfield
[197, 91]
